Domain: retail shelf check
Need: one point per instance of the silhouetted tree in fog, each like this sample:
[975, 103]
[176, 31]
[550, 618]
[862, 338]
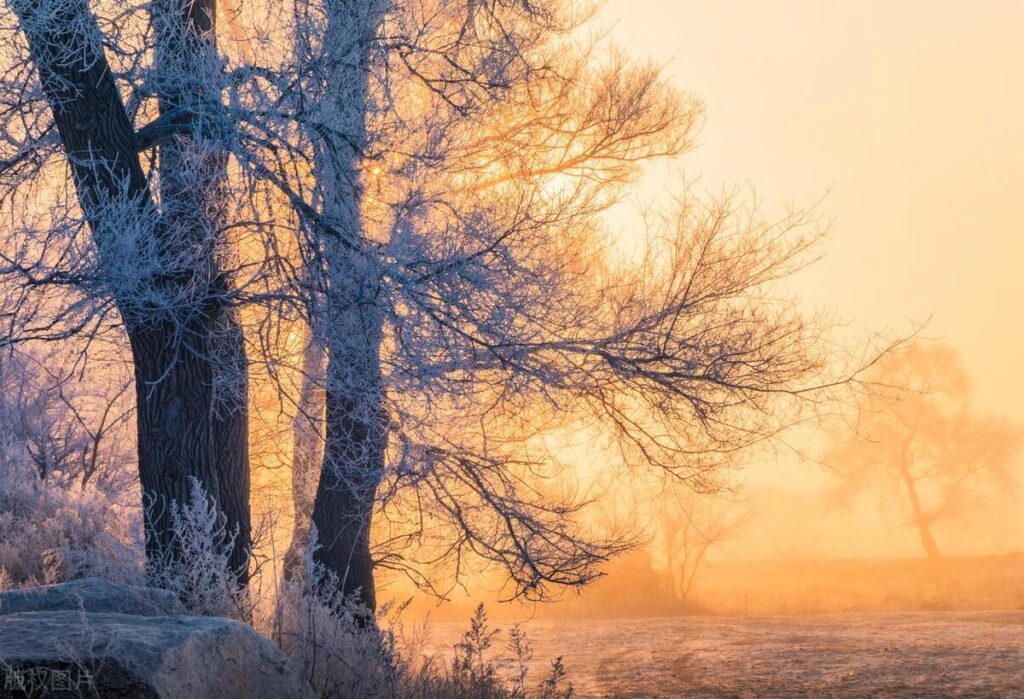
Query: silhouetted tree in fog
[915, 438]
[690, 525]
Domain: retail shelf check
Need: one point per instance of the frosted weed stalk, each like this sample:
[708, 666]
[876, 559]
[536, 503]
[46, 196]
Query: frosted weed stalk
[197, 567]
[474, 672]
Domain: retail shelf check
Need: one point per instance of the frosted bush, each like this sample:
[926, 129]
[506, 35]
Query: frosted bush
[196, 567]
[52, 531]
[335, 640]
[65, 474]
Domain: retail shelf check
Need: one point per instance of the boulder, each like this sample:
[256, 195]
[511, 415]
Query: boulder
[92, 595]
[85, 653]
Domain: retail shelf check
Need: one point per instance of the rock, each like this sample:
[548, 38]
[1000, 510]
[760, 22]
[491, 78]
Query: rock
[92, 595]
[67, 653]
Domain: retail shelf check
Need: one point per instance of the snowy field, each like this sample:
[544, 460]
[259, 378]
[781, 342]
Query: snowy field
[976, 654]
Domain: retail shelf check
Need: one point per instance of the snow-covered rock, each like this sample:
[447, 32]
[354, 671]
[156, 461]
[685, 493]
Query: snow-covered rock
[92, 595]
[93, 638]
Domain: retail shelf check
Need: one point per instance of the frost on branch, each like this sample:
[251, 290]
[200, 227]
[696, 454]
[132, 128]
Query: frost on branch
[444, 170]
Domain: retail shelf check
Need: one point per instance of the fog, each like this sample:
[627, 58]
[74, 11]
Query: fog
[902, 126]
[685, 331]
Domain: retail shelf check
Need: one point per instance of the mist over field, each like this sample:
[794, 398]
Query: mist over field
[508, 349]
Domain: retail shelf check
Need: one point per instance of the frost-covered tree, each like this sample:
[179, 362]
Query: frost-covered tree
[444, 168]
[916, 440]
[115, 224]
[422, 184]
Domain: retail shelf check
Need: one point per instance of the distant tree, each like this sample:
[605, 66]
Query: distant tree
[916, 439]
[691, 525]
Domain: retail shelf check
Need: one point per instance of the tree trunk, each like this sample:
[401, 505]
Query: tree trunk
[352, 322]
[307, 439]
[345, 497]
[230, 437]
[355, 436]
[921, 520]
[192, 175]
[180, 439]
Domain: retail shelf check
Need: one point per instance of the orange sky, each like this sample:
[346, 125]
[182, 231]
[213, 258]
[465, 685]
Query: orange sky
[912, 113]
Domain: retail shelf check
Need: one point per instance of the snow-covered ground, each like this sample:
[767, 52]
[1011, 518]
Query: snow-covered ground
[862, 654]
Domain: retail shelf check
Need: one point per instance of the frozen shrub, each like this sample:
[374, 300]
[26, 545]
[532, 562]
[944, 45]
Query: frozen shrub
[522, 651]
[65, 476]
[335, 640]
[197, 567]
[54, 530]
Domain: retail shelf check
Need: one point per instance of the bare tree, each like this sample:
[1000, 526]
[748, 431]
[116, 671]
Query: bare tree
[444, 167]
[916, 438]
[156, 242]
[690, 525]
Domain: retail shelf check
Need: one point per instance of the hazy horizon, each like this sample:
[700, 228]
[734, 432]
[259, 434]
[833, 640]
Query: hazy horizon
[907, 125]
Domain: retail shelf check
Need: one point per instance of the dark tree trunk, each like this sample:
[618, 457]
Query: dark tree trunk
[356, 426]
[190, 427]
[192, 178]
[345, 497]
[180, 438]
[356, 420]
[186, 428]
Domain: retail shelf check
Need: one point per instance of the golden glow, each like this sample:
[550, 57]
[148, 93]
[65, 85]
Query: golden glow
[909, 117]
